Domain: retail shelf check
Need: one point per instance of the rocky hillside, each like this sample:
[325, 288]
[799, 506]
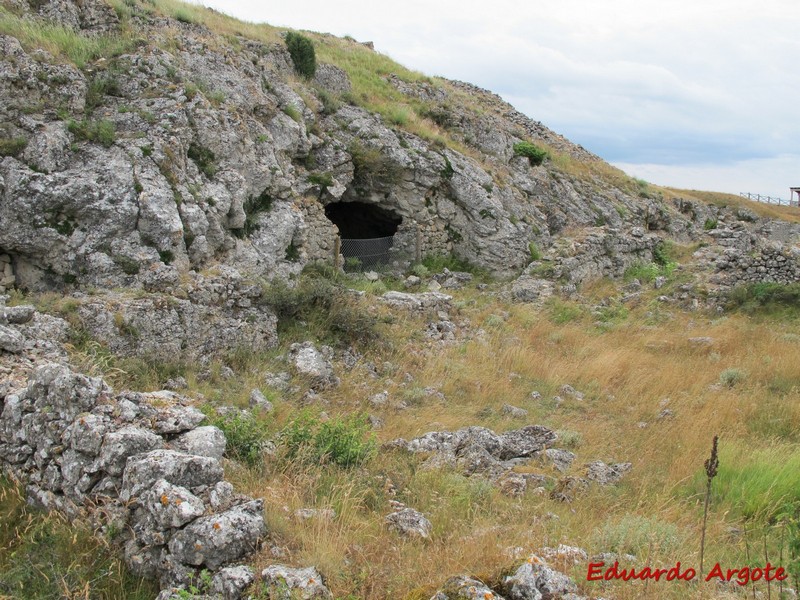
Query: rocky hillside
[170, 186]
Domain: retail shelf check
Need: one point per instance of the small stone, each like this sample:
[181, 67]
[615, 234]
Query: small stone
[284, 583]
[379, 399]
[412, 281]
[409, 522]
[535, 395]
[371, 276]
[514, 412]
[230, 582]
[322, 514]
[259, 402]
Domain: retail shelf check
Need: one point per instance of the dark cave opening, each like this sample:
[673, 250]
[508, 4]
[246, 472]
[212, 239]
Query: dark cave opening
[361, 221]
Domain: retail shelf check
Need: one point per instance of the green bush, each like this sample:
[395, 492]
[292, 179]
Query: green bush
[253, 207]
[325, 307]
[345, 441]
[301, 49]
[536, 254]
[100, 87]
[244, 434]
[766, 297]
[710, 224]
[533, 153]
[101, 132]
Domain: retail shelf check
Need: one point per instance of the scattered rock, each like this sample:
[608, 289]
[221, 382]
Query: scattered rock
[218, 539]
[323, 514]
[287, 583]
[258, 401]
[534, 580]
[561, 459]
[568, 390]
[203, 441]
[230, 582]
[312, 364]
[409, 522]
[462, 587]
[604, 474]
[514, 412]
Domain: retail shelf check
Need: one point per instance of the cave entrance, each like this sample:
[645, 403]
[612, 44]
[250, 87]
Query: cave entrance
[366, 231]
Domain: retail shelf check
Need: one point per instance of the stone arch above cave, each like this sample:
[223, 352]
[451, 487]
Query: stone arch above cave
[361, 221]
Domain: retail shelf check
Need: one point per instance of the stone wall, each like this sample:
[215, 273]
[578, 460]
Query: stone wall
[142, 463]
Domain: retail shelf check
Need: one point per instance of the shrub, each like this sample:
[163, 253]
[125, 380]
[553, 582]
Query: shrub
[536, 254]
[710, 224]
[533, 153]
[203, 158]
[293, 113]
[301, 49]
[637, 535]
[101, 132]
[325, 307]
[12, 146]
[345, 441]
[732, 377]
[244, 434]
[323, 180]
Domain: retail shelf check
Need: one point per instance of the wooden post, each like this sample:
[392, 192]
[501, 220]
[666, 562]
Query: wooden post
[337, 250]
[419, 245]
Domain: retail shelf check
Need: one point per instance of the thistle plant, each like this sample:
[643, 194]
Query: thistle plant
[711, 465]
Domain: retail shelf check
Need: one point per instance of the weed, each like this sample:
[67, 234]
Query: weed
[203, 158]
[293, 113]
[710, 224]
[372, 168]
[536, 254]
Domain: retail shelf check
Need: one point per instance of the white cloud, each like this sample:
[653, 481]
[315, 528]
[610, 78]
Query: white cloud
[768, 176]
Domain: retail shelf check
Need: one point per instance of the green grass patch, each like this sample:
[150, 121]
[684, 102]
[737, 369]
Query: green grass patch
[12, 146]
[43, 556]
[62, 42]
[344, 441]
[753, 482]
[775, 299]
[101, 132]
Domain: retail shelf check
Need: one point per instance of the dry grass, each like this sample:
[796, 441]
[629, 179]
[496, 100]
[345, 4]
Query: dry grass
[722, 200]
[626, 372]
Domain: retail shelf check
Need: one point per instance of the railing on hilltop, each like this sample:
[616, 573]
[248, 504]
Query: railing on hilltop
[769, 199]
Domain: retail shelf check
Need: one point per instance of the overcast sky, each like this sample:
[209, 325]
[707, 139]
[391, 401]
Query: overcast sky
[701, 94]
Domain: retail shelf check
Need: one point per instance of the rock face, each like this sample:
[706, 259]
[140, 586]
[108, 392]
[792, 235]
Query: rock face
[143, 458]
